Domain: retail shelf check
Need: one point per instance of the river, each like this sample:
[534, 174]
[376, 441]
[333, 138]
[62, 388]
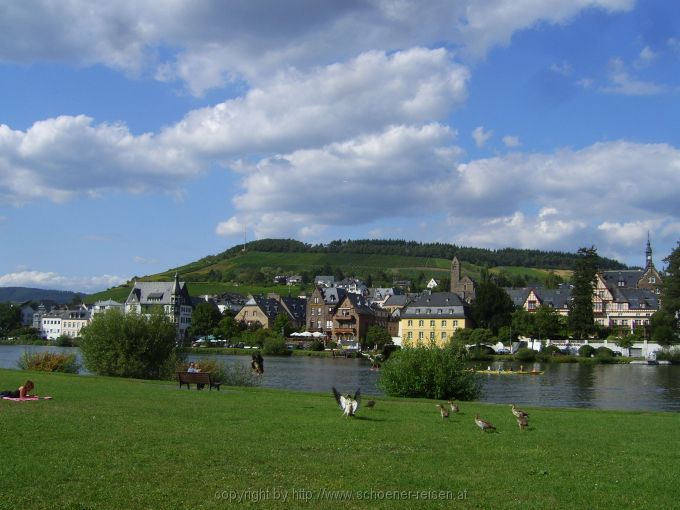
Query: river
[625, 387]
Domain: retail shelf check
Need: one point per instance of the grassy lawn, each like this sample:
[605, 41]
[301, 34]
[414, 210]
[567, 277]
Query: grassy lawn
[119, 443]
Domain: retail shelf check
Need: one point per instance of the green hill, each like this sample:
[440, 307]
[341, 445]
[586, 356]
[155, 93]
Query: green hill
[22, 294]
[379, 262]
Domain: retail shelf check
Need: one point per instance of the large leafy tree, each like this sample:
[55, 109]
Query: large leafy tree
[130, 345]
[377, 336]
[581, 319]
[281, 324]
[547, 322]
[664, 326]
[492, 307]
[670, 294]
[229, 328]
[204, 319]
[10, 318]
[523, 322]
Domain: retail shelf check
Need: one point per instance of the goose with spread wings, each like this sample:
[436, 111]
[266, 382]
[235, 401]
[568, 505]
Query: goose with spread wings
[348, 403]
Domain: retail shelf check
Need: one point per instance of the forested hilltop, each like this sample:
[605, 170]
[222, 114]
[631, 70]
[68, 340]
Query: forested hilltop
[476, 256]
[379, 263]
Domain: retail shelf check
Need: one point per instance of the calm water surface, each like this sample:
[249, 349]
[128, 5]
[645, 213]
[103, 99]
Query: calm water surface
[634, 387]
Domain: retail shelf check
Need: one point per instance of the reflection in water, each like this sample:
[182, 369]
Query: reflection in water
[314, 374]
[641, 387]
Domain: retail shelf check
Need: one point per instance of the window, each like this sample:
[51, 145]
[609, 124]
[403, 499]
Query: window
[417, 311]
[420, 335]
[431, 335]
[421, 323]
[410, 322]
[409, 335]
[443, 335]
[455, 323]
[443, 324]
[432, 324]
[652, 279]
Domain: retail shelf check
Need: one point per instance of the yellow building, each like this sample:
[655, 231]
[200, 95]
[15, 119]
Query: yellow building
[433, 318]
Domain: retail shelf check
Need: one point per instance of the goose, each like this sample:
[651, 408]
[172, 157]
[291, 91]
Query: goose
[522, 422]
[518, 412]
[443, 411]
[482, 424]
[347, 403]
[454, 407]
[257, 363]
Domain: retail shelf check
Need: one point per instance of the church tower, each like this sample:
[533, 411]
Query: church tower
[648, 255]
[651, 279]
[464, 286]
[455, 273]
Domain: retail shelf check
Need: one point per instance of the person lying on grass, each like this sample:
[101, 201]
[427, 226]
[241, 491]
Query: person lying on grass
[21, 392]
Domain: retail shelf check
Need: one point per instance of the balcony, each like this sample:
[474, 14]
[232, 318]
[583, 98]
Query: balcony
[344, 318]
[344, 331]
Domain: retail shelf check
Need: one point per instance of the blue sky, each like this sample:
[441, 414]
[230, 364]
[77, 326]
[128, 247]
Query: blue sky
[138, 136]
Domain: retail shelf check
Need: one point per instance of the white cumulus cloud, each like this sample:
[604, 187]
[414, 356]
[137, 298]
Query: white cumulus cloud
[481, 136]
[50, 280]
[210, 43]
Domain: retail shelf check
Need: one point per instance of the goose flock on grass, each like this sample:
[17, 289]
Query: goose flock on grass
[350, 404]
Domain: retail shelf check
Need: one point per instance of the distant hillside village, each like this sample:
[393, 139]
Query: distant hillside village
[343, 311]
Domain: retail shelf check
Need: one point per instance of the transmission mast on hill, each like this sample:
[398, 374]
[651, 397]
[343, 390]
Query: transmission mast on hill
[245, 231]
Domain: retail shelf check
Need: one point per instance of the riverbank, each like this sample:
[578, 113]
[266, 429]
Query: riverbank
[235, 351]
[557, 359]
[111, 443]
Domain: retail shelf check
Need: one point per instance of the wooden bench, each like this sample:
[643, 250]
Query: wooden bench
[197, 378]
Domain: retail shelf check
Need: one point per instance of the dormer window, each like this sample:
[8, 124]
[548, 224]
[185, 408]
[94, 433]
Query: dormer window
[652, 279]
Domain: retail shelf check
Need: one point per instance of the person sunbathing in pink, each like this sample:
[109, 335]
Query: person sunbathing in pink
[21, 392]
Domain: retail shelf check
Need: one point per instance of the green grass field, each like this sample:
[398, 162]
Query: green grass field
[118, 443]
